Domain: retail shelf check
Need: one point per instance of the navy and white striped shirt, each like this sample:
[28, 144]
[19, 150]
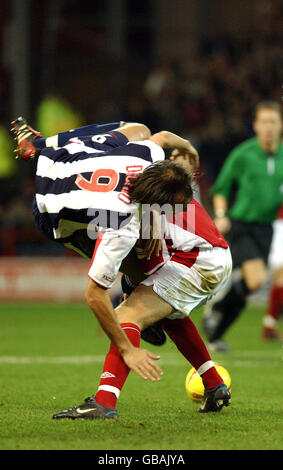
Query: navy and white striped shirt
[82, 186]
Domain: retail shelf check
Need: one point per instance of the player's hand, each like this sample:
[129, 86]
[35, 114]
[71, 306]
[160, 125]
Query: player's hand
[189, 159]
[223, 224]
[193, 154]
[142, 362]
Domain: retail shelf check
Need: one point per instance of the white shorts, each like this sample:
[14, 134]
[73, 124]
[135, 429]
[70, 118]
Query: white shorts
[275, 260]
[187, 288]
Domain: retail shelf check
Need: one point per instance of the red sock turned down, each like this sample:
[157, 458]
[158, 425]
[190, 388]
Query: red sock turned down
[187, 339]
[115, 371]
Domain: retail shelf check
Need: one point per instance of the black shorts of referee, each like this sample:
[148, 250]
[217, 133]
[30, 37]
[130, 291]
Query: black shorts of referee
[249, 240]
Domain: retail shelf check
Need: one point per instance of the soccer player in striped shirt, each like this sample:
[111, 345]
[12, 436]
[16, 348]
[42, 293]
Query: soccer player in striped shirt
[189, 343]
[81, 192]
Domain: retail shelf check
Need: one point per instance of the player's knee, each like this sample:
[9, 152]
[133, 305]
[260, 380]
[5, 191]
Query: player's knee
[256, 282]
[278, 276]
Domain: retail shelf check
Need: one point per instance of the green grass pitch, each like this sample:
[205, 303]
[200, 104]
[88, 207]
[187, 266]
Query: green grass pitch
[51, 357]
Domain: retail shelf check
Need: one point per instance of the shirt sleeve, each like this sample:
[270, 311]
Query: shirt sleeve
[228, 175]
[111, 247]
[110, 250]
[102, 142]
[156, 152]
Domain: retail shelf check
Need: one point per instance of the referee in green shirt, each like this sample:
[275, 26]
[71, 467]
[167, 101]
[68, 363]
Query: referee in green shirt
[246, 198]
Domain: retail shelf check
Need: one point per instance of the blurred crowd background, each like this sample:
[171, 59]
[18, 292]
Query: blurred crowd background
[194, 67]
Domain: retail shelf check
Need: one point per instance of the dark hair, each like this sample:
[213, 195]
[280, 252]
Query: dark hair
[160, 183]
[268, 105]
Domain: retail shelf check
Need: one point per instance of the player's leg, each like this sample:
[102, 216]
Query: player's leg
[275, 307]
[275, 300]
[60, 139]
[131, 278]
[140, 309]
[145, 307]
[188, 341]
[186, 337]
[254, 274]
[30, 141]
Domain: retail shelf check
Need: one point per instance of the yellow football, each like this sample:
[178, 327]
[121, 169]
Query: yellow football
[194, 386]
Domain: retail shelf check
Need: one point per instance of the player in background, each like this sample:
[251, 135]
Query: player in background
[275, 302]
[253, 174]
[93, 173]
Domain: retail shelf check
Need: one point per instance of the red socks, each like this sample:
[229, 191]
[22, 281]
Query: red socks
[275, 301]
[274, 306]
[187, 339]
[115, 371]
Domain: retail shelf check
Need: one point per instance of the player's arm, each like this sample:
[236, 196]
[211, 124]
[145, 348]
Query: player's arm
[139, 360]
[222, 189]
[168, 140]
[111, 249]
[100, 303]
[220, 207]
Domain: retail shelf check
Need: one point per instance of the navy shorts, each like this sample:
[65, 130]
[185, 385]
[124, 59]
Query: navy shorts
[42, 222]
[78, 241]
